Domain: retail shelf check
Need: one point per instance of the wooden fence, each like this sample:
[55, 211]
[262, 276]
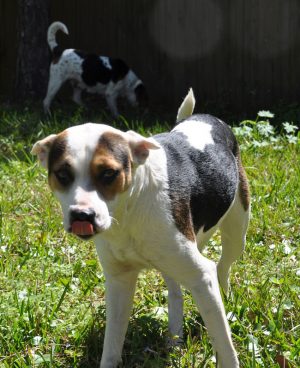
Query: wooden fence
[243, 55]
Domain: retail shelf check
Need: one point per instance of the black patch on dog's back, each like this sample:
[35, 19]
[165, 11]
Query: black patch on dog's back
[82, 54]
[119, 69]
[202, 184]
[95, 71]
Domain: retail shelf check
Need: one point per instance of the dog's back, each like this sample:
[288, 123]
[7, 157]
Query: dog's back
[202, 170]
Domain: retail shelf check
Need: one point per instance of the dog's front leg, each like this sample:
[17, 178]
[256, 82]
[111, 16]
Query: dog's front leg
[119, 293]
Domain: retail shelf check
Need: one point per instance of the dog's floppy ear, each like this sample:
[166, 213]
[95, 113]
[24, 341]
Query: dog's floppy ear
[187, 107]
[140, 146]
[41, 149]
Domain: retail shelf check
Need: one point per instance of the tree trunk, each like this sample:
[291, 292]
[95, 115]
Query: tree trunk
[32, 54]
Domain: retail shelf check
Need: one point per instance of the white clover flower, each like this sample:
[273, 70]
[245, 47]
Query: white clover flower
[265, 114]
[22, 294]
[36, 340]
[292, 139]
[265, 129]
[289, 128]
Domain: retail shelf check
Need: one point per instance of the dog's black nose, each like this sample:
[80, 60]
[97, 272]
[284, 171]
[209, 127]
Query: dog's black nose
[86, 214]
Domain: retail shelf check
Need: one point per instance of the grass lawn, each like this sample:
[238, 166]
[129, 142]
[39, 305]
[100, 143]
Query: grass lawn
[52, 308]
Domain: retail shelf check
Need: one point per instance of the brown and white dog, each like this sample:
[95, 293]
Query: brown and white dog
[154, 202]
[95, 74]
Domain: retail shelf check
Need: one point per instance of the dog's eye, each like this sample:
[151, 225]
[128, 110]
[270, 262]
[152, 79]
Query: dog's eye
[107, 176]
[64, 176]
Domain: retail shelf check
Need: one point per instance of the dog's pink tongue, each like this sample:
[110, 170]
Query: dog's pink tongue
[82, 228]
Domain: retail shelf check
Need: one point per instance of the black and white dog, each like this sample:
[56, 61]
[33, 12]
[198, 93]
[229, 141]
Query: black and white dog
[154, 202]
[95, 74]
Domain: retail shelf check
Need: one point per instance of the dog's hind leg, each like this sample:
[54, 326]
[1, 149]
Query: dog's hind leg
[185, 264]
[175, 310]
[77, 95]
[233, 234]
[203, 237]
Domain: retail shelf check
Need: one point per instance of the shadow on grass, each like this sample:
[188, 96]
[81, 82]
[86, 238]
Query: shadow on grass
[145, 345]
[22, 125]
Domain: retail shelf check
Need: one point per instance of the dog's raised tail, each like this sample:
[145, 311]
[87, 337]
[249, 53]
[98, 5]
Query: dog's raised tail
[53, 28]
[187, 107]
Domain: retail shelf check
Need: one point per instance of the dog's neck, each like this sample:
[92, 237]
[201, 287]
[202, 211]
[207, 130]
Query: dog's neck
[152, 175]
[145, 196]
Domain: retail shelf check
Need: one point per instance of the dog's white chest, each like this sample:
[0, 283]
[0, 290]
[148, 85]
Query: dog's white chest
[125, 250]
[130, 251]
[98, 88]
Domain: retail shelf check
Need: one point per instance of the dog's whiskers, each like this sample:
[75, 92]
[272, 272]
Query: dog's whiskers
[114, 220]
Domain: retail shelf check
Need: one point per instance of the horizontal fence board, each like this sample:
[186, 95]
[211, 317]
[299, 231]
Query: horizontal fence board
[242, 55]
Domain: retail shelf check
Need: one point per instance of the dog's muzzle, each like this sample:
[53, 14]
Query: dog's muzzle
[82, 222]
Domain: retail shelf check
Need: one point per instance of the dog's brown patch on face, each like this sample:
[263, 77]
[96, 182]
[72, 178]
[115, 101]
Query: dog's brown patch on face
[111, 165]
[183, 218]
[60, 174]
[244, 191]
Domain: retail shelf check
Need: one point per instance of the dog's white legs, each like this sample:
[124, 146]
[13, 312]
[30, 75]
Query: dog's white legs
[233, 234]
[119, 297]
[187, 266]
[55, 82]
[77, 95]
[110, 97]
[203, 237]
[175, 310]
[131, 98]
[207, 297]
